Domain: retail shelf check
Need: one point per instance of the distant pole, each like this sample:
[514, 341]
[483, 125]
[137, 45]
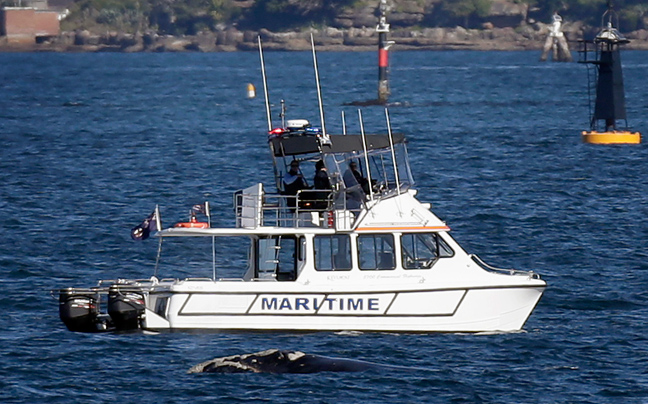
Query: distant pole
[383, 54]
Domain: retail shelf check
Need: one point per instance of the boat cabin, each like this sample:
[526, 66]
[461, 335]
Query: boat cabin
[277, 255]
[331, 229]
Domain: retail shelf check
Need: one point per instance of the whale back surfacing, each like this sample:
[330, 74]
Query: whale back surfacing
[280, 361]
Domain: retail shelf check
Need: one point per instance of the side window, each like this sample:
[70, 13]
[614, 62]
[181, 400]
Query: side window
[332, 253]
[444, 249]
[376, 251]
[422, 250]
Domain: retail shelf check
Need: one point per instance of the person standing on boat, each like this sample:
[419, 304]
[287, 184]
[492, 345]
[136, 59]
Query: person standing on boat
[353, 177]
[321, 182]
[357, 186]
[293, 182]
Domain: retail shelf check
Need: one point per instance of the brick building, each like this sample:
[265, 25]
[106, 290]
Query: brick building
[28, 24]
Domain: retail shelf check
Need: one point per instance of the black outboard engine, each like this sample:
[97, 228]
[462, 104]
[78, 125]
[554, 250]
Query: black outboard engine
[79, 310]
[125, 307]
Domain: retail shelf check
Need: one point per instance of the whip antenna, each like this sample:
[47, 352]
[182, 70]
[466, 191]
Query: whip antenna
[366, 157]
[319, 91]
[391, 145]
[265, 86]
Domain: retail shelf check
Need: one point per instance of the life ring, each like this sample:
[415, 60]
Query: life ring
[193, 225]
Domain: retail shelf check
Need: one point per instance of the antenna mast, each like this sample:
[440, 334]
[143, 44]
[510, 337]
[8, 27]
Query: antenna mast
[319, 91]
[265, 86]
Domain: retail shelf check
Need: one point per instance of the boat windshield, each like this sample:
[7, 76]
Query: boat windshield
[351, 164]
[349, 170]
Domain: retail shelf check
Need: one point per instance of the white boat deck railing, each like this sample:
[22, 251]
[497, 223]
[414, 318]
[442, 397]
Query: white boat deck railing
[104, 286]
[125, 282]
[507, 271]
[309, 208]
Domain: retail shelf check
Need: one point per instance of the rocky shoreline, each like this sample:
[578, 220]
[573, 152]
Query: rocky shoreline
[528, 37]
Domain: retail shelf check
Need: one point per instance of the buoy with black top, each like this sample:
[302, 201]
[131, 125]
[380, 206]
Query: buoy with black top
[609, 105]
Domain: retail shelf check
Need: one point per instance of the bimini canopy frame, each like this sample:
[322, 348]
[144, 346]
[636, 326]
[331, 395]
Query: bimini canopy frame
[297, 145]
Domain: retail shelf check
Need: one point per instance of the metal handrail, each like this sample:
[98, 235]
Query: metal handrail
[283, 210]
[508, 271]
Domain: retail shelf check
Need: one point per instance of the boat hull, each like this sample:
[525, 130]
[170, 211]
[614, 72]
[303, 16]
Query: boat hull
[483, 309]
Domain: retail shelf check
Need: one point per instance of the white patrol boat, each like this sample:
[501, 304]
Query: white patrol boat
[357, 252]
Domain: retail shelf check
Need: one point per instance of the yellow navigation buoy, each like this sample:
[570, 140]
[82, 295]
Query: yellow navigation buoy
[612, 137]
[251, 91]
[609, 105]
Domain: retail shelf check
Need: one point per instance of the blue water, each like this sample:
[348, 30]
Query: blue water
[91, 142]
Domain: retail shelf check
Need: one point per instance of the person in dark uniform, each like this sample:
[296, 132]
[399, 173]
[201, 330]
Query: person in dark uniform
[321, 182]
[353, 177]
[293, 182]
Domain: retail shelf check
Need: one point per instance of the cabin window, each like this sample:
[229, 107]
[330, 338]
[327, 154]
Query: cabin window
[376, 251]
[422, 250]
[278, 258]
[332, 253]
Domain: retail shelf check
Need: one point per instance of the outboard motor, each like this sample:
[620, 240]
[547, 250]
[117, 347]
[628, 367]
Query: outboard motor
[79, 310]
[125, 308]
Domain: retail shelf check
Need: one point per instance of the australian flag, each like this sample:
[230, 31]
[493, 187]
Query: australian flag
[150, 224]
[201, 208]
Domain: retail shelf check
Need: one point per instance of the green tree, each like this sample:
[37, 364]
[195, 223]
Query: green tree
[284, 14]
[634, 17]
[467, 10]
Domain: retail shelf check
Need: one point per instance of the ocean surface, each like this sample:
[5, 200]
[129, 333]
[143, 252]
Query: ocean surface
[92, 142]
